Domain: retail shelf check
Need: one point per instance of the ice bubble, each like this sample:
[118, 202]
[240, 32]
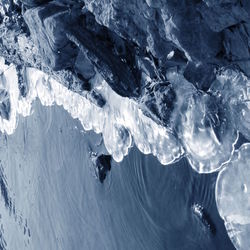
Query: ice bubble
[199, 123]
[207, 133]
[233, 197]
[204, 126]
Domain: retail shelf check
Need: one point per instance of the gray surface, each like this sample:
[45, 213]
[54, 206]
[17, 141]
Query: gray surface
[141, 205]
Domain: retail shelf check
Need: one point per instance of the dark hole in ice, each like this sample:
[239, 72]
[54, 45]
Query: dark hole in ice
[103, 165]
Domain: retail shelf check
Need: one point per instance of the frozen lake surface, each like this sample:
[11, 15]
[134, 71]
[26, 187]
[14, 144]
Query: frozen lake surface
[52, 200]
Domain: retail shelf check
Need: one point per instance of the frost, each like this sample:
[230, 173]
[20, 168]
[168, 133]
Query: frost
[233, 197]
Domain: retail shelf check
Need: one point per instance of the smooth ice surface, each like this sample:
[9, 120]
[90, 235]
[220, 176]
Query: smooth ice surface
[233, 197]
[60, 205]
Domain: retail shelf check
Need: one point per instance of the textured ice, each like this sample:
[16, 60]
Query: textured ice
[233, 197]
[207, 136]
[234, 87]
[203, 125]
[199, 123]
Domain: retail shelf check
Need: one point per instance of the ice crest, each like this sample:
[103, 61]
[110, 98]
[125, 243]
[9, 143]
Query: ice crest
[8, 84]
[207, 134]
[233, 197]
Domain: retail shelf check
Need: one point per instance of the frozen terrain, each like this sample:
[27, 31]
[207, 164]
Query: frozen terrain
[97, 95]
[120, 126]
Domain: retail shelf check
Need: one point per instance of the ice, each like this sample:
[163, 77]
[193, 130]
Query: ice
[8, 83]
[208, 135]
[203, 125]
[234, 87]
[233, 197]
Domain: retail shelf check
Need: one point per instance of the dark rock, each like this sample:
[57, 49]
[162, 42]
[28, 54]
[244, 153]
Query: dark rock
[97, 98]
[119, 74]
[237, 46]
[46, 25]
[84, 67]
[220, 16]
[158, 102]
[4, 104]
[33, 3]
[201, 75]
[246, 5]
[103, 165]
[22, 82]
[199, 42]
[165, 23]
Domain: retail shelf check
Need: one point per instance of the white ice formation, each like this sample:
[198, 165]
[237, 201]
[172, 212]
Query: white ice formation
[203, 127]
[120, 121]
[234, 87]
[233, 197]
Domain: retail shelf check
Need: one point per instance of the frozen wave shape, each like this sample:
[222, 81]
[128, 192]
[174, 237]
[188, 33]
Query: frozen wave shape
[233, 197]
[204, 126]
[8, 85]
[207, 133]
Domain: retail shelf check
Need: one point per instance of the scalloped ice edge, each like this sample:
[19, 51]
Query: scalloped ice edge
[120, 121]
